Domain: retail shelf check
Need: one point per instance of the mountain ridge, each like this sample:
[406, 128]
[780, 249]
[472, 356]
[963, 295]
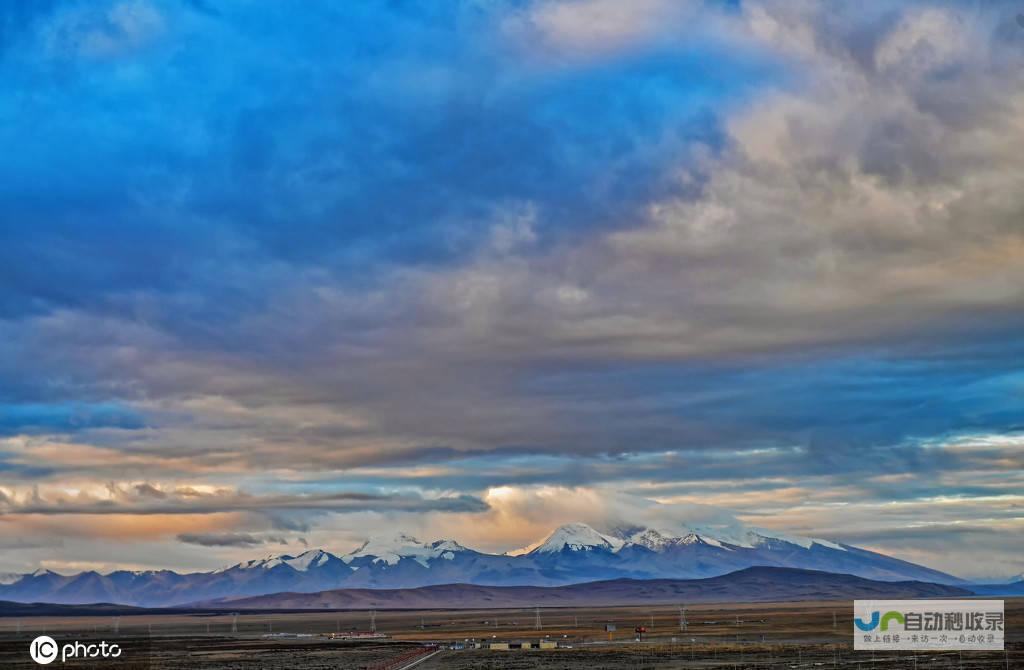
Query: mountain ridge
[572, 553]
[755, 584]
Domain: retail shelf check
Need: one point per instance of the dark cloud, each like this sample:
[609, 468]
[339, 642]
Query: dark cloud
[146, 490]
[146, 500]
[227, 539]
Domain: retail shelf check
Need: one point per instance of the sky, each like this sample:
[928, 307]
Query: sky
[279, 275]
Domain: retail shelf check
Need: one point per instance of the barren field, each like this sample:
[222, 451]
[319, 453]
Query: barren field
[766, 636]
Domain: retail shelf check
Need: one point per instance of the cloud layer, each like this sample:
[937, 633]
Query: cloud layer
[339, 264]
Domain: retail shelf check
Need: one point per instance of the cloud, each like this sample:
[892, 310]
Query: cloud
[601, 27]
[146, 499]
[228, 539]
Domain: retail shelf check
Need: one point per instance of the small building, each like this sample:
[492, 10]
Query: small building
[521, 645]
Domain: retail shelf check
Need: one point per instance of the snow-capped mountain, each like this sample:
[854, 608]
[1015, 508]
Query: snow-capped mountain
[570, 554]
[304, 562]
[393, 549]
[577, 537]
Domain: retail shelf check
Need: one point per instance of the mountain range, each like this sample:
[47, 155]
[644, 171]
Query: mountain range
[747, 585]
[572, 554]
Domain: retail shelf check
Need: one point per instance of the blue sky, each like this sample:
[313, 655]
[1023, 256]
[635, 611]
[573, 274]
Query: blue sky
[468, 267]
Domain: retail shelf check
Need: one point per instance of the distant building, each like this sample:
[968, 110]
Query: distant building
[505, 645]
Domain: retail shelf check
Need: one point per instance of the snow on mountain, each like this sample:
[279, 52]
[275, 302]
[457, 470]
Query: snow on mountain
[265, 563]
[572, 553]
[805, 542]
[723, 536]
[577, 537]
[303, 562]
[9, 577]
[393, 548]
[313, 558]
[581, 537]
[648, 538]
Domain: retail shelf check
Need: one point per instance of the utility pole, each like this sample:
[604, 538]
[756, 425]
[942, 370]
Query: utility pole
[682, 617]
[536, 613]
[234, 622]
[373, 621]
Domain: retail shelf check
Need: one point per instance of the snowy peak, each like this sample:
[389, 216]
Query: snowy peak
[577, 537]
[43, 572]
[447, 546]
[649, 538]
[572, 553]
[721, 536]
[314, 558]
[392, 549]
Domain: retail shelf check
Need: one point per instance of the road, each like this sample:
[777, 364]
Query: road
[415, 662]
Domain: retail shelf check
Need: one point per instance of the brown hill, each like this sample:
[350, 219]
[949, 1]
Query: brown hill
[749, 585]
